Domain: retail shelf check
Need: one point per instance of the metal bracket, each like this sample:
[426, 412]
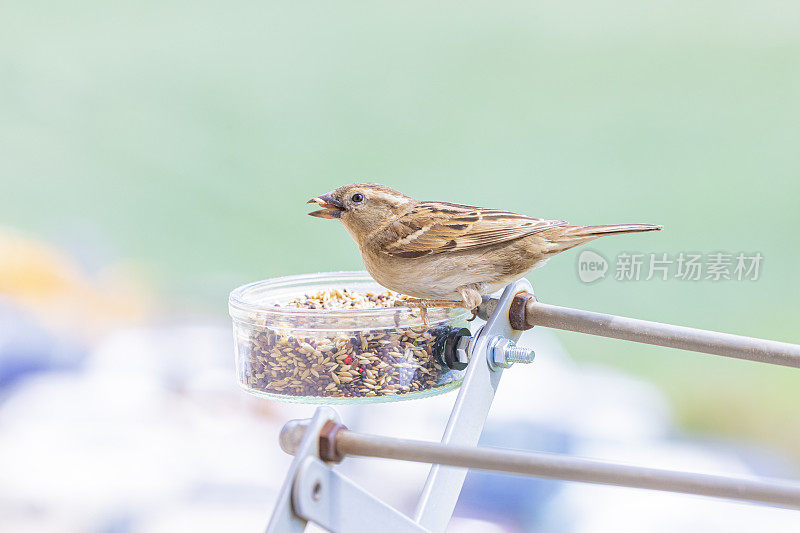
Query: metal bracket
[284, 519]
[325, 497]
[313, 491]
[464, 428]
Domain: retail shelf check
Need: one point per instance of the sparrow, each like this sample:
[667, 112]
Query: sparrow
[444, 254]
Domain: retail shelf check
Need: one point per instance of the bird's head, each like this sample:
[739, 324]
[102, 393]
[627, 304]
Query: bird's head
[361, 207]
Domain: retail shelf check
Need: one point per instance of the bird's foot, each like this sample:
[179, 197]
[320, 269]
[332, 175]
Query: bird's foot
[471, 298]
[423, 306]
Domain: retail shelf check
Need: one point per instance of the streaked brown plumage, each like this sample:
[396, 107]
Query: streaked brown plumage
[445, 251]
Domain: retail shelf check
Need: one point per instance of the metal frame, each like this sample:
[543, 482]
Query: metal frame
[284, 519]
[323, 496]
[464, 428]
[314, 491]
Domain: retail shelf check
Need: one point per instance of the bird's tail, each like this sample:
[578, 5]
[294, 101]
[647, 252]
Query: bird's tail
[566, 237]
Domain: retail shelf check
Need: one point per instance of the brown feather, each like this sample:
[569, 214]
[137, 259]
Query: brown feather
[564, 238]
[437, 227]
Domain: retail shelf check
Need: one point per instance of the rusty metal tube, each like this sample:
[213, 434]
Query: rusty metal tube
[555, 466]
[683, 338]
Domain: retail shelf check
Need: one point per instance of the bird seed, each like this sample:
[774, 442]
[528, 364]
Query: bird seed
[291, 358]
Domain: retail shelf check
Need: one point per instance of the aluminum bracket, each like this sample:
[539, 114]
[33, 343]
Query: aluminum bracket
[464, 428]
[284, 519]
[325, 497]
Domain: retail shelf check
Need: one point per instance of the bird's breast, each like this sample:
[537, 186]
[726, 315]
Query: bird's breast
[435, 276]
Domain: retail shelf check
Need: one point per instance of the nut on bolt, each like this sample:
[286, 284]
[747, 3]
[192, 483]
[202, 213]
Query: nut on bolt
[453, 349]
[327, 442]
[519, 306]
[503, 352]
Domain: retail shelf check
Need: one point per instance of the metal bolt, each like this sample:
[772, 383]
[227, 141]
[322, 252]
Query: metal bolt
[519, 354]
[502, 353]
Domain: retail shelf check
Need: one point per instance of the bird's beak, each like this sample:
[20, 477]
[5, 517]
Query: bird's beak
[332, 207]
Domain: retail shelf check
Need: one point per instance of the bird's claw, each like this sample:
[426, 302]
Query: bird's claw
[424, 304]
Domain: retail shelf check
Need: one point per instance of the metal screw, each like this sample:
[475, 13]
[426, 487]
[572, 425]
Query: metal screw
[502, 353]
[519, 354]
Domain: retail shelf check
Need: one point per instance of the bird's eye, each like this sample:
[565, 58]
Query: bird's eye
[357, 197]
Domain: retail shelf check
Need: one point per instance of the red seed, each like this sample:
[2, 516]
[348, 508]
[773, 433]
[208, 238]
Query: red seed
[348, 360]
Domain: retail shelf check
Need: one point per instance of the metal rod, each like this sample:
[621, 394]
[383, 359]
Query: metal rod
[632, 329]
[546, 465]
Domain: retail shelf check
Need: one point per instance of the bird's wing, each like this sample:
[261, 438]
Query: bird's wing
[436, 227]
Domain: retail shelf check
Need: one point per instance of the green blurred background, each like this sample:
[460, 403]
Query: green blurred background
[186, 137]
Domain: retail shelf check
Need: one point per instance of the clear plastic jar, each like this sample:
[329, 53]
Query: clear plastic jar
[337, 356]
